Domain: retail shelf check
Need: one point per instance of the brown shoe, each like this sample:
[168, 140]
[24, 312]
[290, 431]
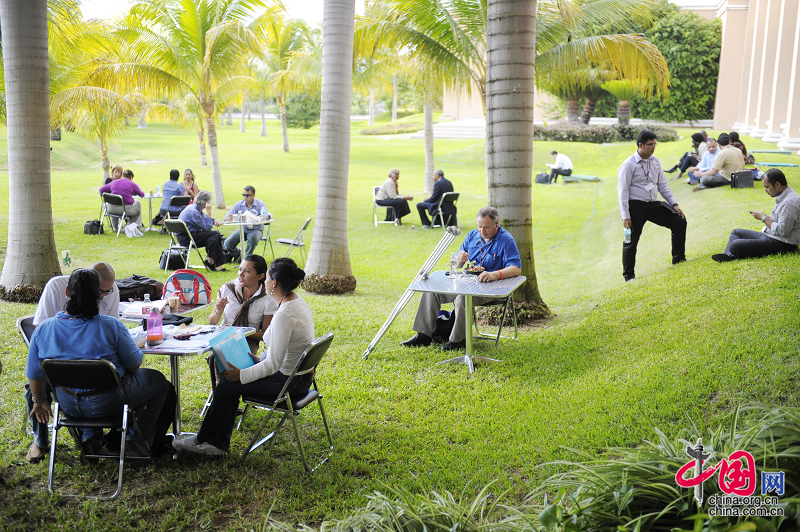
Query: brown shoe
[36, 453]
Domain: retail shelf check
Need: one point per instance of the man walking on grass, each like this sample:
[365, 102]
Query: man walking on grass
[641, 179]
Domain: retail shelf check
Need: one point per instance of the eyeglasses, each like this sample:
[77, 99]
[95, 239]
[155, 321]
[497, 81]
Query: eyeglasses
[653, 144]
[106, 291]
[246, 195]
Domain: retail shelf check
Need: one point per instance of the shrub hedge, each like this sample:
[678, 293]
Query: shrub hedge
[599, 134]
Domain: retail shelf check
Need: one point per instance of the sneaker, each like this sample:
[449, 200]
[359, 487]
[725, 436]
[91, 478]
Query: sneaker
[204, 448]
[180, 443]
[36, 453]
[630, 279]
[698, 189]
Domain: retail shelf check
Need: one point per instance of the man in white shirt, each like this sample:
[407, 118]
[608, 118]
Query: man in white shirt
[706, 163]
[53, 300]
[561, 166]
[641, 179]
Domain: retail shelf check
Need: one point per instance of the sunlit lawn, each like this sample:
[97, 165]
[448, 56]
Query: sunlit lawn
[682, 344]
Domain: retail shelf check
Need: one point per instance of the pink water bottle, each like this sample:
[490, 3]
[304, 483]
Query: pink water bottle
[155, 334]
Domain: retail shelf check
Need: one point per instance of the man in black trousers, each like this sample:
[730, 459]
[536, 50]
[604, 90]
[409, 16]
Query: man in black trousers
[641, 179]
[440, 186]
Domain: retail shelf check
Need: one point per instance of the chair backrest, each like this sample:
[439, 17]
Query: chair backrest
[91, 374]
[375, 193]
[179, 201]
[449, 197]
[113, 199]
[313, 354]
[177, 227]
[299, 238]
[26, 327]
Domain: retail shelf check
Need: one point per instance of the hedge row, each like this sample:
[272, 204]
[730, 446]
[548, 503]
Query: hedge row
[599, 134]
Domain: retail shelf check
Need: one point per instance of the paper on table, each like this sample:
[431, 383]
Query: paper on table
[134, 310]
[182, 344]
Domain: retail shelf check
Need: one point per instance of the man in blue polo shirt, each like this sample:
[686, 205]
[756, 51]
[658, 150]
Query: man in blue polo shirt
[489, 246]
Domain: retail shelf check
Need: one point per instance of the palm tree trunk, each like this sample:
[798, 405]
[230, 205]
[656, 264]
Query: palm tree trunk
[511, 40]
[573, 111]
[371, 106]
[201, 140]
[230, 117]
[104, 162]
[427, 112]
[245, 99]
[263, 107]
[216, 177]
[588, 110]
[284, 128]
[142, 122]
[624, 112]
[31, 257]
[247, 93]
[328, 266]
[394, 97]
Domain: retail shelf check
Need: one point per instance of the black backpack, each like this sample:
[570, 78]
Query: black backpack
[174, 260]
[93, 227]
[136, 286]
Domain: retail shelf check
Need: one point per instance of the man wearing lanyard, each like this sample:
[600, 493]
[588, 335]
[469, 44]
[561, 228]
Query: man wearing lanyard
[640, 180]
[489, 246]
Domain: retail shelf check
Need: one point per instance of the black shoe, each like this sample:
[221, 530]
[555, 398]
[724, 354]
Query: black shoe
[454, 346]
[418, 340]
[91, 446]
[673, 169]
[722, 257]
[426, 226]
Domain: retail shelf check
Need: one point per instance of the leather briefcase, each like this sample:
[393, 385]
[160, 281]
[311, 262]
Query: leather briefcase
[742, 179]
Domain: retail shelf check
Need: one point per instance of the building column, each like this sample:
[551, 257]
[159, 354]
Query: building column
[730, 104]
[767, 63]
[791, 137]
[781, 81]
[751, 77]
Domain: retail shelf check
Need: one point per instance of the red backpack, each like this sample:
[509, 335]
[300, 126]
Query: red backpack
[192, 287]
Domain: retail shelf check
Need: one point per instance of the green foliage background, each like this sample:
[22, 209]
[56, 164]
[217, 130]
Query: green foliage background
[691, 46]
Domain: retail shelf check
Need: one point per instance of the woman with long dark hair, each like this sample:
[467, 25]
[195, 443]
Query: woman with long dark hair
[289, 334]
[81, 332]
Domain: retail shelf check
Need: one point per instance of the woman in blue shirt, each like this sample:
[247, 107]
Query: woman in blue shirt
[81, 332]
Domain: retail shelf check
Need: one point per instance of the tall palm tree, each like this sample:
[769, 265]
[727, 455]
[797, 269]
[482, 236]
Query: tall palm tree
[190, 46]
[510, 54]
[31, 258]
[328, 264]
[280, 38]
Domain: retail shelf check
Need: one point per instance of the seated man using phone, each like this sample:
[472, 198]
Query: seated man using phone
[781, 231]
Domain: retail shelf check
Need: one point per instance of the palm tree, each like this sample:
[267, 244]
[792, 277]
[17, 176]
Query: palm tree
[511, 51]
[190, 46]
[280, 39]
[31, 258]
[624, 90]
[328, 266]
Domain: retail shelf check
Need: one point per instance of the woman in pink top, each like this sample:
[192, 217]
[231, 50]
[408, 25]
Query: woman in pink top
[189, 184]
[126, 188]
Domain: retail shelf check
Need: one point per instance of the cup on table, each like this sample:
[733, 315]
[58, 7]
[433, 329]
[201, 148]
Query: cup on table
[236, 218]
[174, 303]
[151, 193]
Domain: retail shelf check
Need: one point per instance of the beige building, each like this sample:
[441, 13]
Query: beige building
[758, 92]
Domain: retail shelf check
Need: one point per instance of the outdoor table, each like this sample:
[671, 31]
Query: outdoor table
[149, 197]
[196, 345]
[468, 286]
[241, 225]
[182, 311]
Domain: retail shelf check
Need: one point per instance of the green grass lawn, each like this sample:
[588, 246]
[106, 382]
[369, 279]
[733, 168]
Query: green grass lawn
[681, 345]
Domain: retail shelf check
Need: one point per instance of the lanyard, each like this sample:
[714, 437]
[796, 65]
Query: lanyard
[483, 251]
[646, 172]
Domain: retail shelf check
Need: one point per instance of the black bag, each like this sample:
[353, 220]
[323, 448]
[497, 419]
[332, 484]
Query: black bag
[93, 227]
[136, 286]
[175, 260]
[443, 327]
[158, 219]
[542, 178]
[742, 179]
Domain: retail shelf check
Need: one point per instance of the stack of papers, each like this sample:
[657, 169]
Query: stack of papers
[134, 310]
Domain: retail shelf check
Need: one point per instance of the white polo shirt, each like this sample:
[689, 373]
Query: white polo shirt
[54, 300]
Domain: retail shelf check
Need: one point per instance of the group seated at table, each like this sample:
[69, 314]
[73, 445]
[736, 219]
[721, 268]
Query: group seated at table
[199, 225]
[81, 332]
[170, 189]
[290, 332]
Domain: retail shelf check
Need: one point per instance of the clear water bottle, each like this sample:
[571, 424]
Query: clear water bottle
[147, 305]
[264, 214]
[627, 234]
[157, 192]
[453, 264]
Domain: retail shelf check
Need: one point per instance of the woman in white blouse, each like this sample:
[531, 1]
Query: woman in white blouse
[290, 332]
[389, 196]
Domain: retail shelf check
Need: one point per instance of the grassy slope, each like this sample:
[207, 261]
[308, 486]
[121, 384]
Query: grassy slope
[616, 361]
